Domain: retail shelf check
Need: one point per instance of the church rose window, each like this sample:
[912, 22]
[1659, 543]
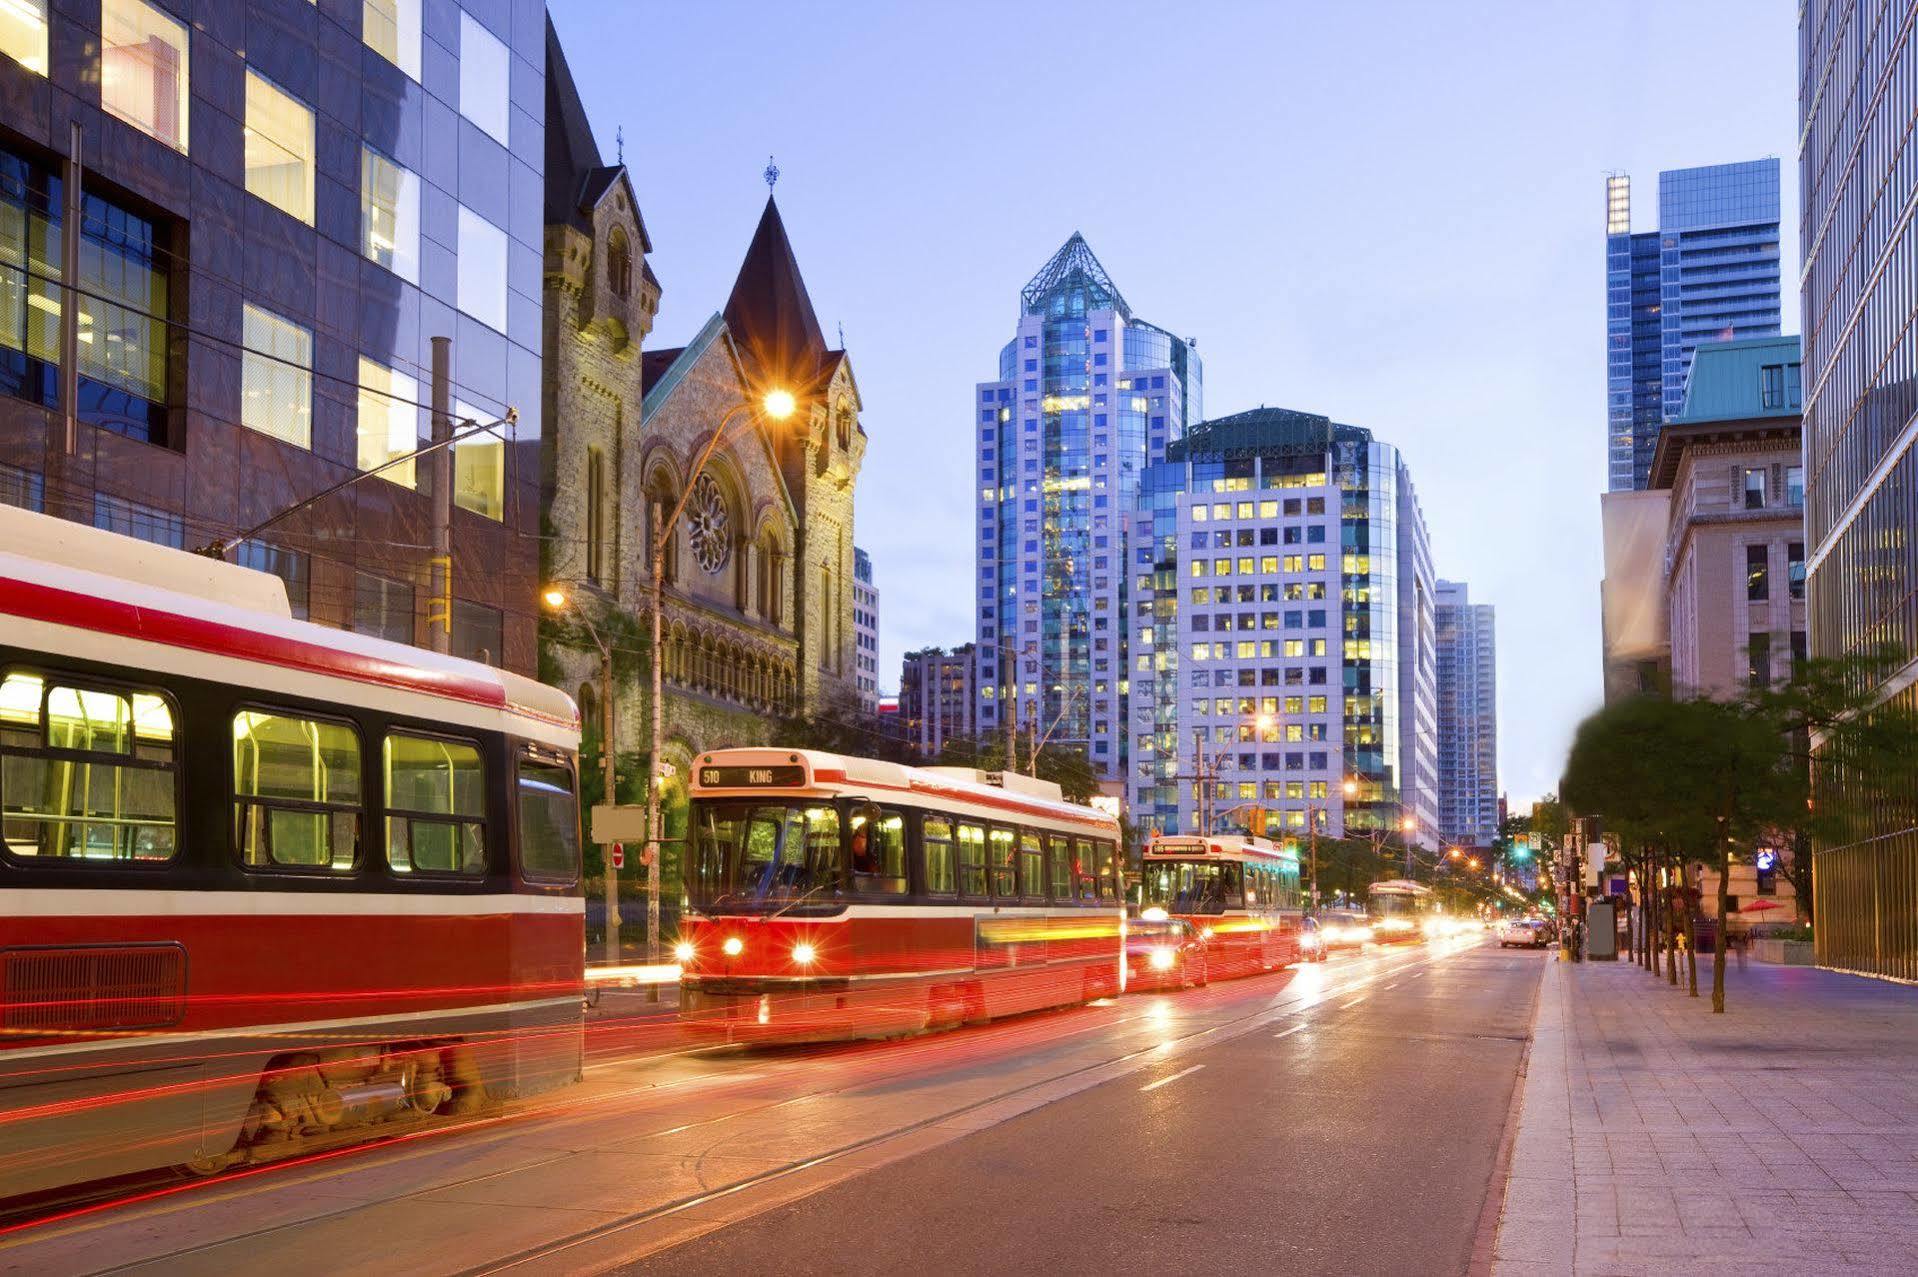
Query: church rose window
[708, 527]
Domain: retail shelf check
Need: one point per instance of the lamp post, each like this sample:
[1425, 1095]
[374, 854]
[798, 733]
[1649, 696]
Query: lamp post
[557, 599]
[777, 405]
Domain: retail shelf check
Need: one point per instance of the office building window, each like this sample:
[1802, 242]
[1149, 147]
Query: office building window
[485, 69]
[141, 522]
[478, 632]
[1755, 488]
[1758, 649]
[389, 420]
[22, 488]
[292, 567]
[482, 269]
[276, 377]
[1795, 569]
[23, 33]
[596, 516]
[1800, 652]
[143, 69]
[390, 215]
[479, 466]
[391, 29]
[279, 148]
[1757, 572]
[1795, 486]
[382, 608]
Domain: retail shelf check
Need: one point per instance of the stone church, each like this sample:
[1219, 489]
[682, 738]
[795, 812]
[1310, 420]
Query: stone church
[758, 614]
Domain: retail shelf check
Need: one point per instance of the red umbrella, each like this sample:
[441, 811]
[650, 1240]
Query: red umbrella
[1759, 906]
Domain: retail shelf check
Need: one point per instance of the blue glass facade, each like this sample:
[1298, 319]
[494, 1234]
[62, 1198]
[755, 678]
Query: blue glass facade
[1710, 272]
[1086, 397]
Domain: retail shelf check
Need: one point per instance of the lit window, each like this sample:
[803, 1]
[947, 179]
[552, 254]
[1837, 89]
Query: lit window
[388, 420]
[484, 73]
[143, 69]
[392, 30]
[23, 33]
[479, 466]
[482, 269]
[390, 215]
[279, 149]
[435, 805]
[296, 792]
[276, 378]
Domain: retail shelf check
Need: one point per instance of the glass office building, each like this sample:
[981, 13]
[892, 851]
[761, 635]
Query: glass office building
[1858, 77]
[1086, 396]
[1467, 717]
[1282, 633]
[1710, 272]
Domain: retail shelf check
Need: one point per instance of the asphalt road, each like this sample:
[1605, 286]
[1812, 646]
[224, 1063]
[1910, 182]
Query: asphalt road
[1361, 1137]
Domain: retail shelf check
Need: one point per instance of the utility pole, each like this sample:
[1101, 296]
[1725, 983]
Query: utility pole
[607, 716]
[439, 614]
[1204, 812]
[1009, 704]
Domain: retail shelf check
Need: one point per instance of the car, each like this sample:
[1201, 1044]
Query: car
[1164, 953]
[1344, 928]
[1313, 946]
[1525, 933]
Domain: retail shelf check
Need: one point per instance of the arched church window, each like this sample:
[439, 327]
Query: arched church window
[619, 264]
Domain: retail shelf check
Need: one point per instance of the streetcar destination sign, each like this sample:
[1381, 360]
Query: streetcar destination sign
[750, 777]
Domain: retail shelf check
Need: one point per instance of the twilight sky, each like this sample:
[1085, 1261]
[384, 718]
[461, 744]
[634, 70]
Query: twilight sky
[1390, 213]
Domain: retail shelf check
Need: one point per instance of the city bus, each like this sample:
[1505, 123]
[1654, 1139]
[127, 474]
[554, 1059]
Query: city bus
[1238, 895]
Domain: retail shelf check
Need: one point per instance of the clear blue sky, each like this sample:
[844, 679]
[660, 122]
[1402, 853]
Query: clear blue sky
[1388, 213]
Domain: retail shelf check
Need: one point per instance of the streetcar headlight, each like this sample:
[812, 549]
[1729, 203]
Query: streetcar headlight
[1153, 914]
[733, 947]
[1162, 958]
[803, 954]
[683, 952]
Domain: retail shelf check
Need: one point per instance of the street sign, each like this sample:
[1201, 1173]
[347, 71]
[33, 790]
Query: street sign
[625, 822]
[619, 855]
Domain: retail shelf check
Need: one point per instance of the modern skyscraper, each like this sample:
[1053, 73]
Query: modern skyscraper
[1087, 395]
[1467, 717]
[1858, 74]
[865, 630]
[1708, 273]
[938, 697]
[1283, 633]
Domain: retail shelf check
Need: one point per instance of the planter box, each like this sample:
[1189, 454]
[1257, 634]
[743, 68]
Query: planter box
[1790, 953]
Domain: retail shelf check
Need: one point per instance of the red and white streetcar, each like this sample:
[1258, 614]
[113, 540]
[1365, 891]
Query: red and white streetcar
[265, 886]
[835, 897]
[1236, 900]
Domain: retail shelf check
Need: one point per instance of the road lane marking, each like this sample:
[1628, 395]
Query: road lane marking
[1289, 1032]
[1153, 1086]
[1388, 988]
[1354, 1002]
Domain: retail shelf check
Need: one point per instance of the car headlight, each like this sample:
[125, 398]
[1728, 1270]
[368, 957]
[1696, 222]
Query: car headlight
[1162, 958]
[683, 952]
[1360, 934]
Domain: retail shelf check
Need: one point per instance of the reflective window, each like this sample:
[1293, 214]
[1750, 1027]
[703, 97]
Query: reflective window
[143, 69]
[1085, 869]
[1004, 867]
[878, 851]
[1059, 866]
[1757, 572]
[85, 773]
[390, 214]
[279, 148]
[482, 269]
[548, 823]
[937, 836]
[1032, 870]
[291, 566]
[1754, 489]
[485, 71]
[23, 33]
[391, 29]
[296, 791]
[479, 632]
[972, 860]
[479, 466]
[382, 608]
[435, 805]
[388, 422]
[276, 377]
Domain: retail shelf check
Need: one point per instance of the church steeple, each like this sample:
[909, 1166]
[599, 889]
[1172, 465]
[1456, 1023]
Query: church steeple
[769, 314]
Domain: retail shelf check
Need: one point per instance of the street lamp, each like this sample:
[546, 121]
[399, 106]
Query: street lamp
[777, 404]
[556, 599]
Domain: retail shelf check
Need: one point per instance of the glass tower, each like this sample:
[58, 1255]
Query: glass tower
[1467, 717]
[1087, 395]
[1858, 76]
[1710, 272]
[1283, 633]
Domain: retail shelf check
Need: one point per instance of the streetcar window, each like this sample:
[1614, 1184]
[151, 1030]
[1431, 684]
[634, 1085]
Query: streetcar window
[85, 773]
[1032, 871]
[435, 805]
[972, 860]
[1108, 870]
[1084, 869]
[1234, 892]
[296, 791]
[1059, 861]
[1004, 868]
[548, 823]
[937, 836]
[878, 851]
[1254, 887]
[748, 855]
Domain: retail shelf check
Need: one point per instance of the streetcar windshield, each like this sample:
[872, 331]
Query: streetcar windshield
[1189, 887]
[750, 857]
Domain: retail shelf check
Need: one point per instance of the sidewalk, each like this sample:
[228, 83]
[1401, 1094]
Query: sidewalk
[1656, 1137]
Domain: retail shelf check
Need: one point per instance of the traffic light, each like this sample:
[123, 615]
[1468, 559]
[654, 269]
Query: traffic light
[1521, 852]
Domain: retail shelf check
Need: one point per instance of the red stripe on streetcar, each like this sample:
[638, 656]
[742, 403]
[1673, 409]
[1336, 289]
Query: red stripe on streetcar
[129, 620]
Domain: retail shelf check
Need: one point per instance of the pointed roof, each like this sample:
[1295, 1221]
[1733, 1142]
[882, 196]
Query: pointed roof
[769, 314]
[576, 180]
[1073, 263]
